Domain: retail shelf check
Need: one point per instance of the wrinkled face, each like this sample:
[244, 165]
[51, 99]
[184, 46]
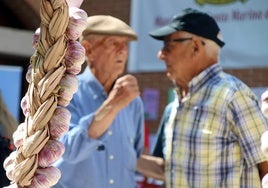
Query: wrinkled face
[177, 53]
[108, 56]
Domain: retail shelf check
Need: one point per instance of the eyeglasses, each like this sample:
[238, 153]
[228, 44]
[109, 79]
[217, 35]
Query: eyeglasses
[178, 40]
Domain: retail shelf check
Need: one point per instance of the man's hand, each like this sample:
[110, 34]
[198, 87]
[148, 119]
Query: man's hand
[124, 91]
[150, 166]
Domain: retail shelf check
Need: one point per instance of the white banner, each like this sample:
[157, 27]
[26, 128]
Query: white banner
[243, 23]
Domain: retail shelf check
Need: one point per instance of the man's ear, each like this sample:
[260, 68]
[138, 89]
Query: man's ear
[87, 47]
[88, 50]
[197, 45]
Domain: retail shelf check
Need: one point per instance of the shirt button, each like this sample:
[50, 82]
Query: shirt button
[110, 133]
[111, 157]
[111, 181]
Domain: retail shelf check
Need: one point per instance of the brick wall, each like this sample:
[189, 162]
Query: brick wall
[252, 77]
[121, 9]
[255, 77]
[116, 8]
[157, 80]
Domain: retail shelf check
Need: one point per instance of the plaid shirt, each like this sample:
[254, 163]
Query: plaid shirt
[215, 138]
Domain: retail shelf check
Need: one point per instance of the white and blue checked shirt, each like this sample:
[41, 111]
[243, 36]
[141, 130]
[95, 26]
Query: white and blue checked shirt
[215, 139]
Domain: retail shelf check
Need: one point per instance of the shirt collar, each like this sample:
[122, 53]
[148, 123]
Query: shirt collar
[198, 81]
[88, 77]
[206, 75]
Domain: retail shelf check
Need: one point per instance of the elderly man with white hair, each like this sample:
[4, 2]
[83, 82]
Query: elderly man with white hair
[106, 131]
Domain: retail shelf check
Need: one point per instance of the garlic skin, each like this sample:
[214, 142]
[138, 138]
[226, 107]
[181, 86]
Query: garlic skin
[65, 96]
[69, 80]
[74, 57]
[74, 68]
[9, 171]
[29, 74]
[24, 106]
[59, 123]
[77, 23]
[67, 87]
[51, 152]
[74, 3]
[45, 177]
[264, 103]
[9, 165]
[35, 38]
[75, 52]
[10, 159]
[19, 135]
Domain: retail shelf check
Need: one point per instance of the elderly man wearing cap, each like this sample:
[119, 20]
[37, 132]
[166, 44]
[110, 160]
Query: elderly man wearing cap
[212, 137]
[106, 131]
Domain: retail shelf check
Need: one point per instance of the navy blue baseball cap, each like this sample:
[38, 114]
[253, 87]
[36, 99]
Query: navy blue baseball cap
[192, 21]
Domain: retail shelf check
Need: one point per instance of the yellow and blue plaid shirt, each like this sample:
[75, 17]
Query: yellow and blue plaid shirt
[214, 140]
